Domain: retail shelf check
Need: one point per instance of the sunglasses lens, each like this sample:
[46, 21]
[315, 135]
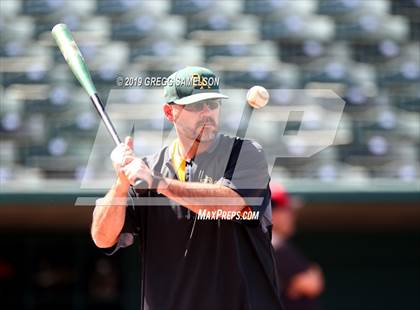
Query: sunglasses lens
[213, 104]
[194, 107]
[199, 106]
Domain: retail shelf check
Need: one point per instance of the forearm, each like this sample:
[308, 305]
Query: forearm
[109, 216]
[201, 196]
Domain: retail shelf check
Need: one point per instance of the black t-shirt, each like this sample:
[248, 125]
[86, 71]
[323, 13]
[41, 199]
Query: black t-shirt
[290, 262]
[206, 264]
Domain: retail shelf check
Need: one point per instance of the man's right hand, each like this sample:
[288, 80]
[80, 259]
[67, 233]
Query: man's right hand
[109, 214]
[122, 155]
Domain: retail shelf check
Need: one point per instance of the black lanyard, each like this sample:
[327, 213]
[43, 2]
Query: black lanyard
[188, 170]
[188, 178]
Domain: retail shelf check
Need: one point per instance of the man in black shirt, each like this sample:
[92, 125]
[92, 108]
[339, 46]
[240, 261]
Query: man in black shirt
[301, 281]
[204, 223]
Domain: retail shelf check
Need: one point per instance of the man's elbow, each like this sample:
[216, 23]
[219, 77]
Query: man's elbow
[102, 241]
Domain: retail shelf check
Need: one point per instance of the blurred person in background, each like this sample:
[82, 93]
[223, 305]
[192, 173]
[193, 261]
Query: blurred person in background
[301, 280]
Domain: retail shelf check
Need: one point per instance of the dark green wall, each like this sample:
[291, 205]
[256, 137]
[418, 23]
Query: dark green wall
[363, 271]
[367, 270]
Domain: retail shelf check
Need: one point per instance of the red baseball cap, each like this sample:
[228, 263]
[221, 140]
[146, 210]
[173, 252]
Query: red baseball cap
[279, 196]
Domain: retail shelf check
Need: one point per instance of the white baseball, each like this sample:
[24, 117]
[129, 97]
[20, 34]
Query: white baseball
[257, 97]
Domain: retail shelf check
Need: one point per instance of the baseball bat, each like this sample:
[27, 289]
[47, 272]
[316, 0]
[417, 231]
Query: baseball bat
[77, 64]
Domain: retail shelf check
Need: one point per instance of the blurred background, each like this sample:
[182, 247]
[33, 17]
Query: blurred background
[361, 216]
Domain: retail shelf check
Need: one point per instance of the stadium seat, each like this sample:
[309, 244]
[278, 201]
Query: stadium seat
[402, 170]
[297, 28]
[154, 48]
[42, 7]
[305, 167]
[109, 62]
[27, 70]
[49, 13]
[377, 52]
[342, 9]
[374, 150]
[303, 52]
[407, 98]
[370, 27]
[331, 171]
[34, 97]
[409, 8]
[11, 113]
[382, 121]
[409, 127]
[192, 7]
[185, 7]
[217, 21]
[248, 71]
[240, 49]
[132, 27]
[401, 70]
[10, 8]
[77, 116]
[280, 7]
[8, 154]
[116, 7]
[18, 28]
[337, 70]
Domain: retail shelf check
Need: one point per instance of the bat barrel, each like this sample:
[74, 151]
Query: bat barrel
[73, 57]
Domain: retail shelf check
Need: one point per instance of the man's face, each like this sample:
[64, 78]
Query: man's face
[284, 221]
[197, 121]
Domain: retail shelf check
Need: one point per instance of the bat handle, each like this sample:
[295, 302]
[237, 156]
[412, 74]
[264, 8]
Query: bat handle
[138, 183]
[107, 122]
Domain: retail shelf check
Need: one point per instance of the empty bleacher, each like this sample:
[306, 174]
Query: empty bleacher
[366, 51]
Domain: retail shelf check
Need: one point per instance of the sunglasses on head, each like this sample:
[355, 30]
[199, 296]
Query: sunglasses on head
[212, 104]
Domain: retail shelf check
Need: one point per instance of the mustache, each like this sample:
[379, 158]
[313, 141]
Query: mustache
[205, 121]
